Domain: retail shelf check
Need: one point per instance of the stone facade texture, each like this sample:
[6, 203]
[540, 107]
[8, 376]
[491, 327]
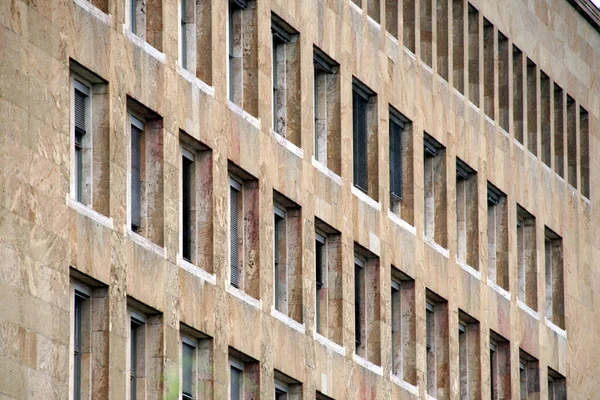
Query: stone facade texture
[46, 240]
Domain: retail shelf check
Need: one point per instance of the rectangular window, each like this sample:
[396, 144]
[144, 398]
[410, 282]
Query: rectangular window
[518, 96]
[146, 194]
[281, 390]
[409, 25]
[435, 190]
[401, 168]
[137, 355]
[497, 224]
[559, 131]
[138, 23]
[189, 364]
[89, 164]
[391, 17]
[468, 356]
[503, 80]
[571, 142]
[557, 386]
[187, 207]
[196, 364]
[287, 251]
[244, 376]
[437, 350]
[373, 10]
[546, 121]
[364, 139]
[442, 38]
[526, 258]
[193, 39]
[287, 388]
[89, 333]
[403, 327]
[555, 287]
[532, 107]
[242, 48]
[584, 152]
[488, 69]
[473, 51]
[467, 215]
[327, 111]
[243, 231]
[426, 29]
[286, 80]
[458, 44]
[328, 282]
[529, 377]
[366, 305]
[500, 380]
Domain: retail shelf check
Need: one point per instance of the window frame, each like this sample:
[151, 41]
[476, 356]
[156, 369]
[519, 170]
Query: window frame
[81, 296]
[360, 96]
[191, 158]
[396, 170]
[240, 367]
[360, 265]
[235, 184]
[192, 342]
[138, 319]
[77, 83]
[320, 246]
[135, 120]
[280, 216]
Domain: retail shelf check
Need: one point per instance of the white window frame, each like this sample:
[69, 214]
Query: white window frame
[193, 342]
[235, 183]
[184, 152]
[279, 211]
[76, 289]
[84, 86]
[239, 365]
[321, 237]
[180, 47]
[361, 262]
[135, 120]
[395, 286]
[139, 318]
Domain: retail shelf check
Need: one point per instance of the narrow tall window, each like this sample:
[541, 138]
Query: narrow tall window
[81, 304]
[391, 17]
[235, 206]
[468, 355]
[287, 252]
[426, 29]
[437, 350]
[571, 142]
[467, 218]
[488, 69]
[137, 172]
[435, 190]
[138, 23]
[403, 327]
[546, 121]
[529, 377]
[401, 168]
[500, 374]
[82, 141]
[518, 96]
[532, 107]
[373, 9]
[503, 80]
[326, 111]
[396, 131]
[131, 15]
[234, 50]
[458, 44]
[183, 34]
[557, 386]
[526, 258]
[493, 370]
[286, 80]
[473, 51]
[137, 355]
[364, 114]
[187, 199]
[463, 360]
[188, 368]
[409, 25]
[320, 278]
[559, 131]
[430, 349]
[442, 43]
[236, 380]
[244, 376]
[584, 152]
[497, 236]
[366, 305]
[553, 255]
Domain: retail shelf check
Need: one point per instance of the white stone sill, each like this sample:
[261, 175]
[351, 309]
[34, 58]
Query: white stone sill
[95, 11]
[474, 107]
[410, 53]
[559, 331]
[196, 271]
[200, 84]
[145, 243]
[402, 223]
[459, 94]
[546, 167]
[244, 114]
[498, 289]
[430, 397]
[528, 309]
[246, 298]
[404, 385]
[502, 131]
[331, 345]
[585, 200]
[288, 321]
[355, 7]
[392, 38]
[367, 364]
[90, 213]
[375, 24]
[426, 67]
[326, 171]
[443, 251]
[291, 147]
[518, 144]
[489, 119]
[362, 196]
[476, 274]
[141, 43]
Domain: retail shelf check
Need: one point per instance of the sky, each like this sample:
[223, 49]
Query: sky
[596, 2]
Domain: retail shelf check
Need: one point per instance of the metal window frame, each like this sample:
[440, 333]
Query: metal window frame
[238, 365]
[463, 170]
[431, 146]
[190, 156]
[236, 185]
[192, 342]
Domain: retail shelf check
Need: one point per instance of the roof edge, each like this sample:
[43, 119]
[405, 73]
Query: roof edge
[589, 11]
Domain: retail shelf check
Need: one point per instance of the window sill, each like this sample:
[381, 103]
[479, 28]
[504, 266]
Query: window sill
[95, 11]
[438, 248]
[330, 344]
[196, 271]
[528, 309]
[402, 223]
[474, 107]
[362, 196]
[476, 274]
[292, 323]
[367, 364]
[409, 53]
[503, 131]
[558, 330]
[585, 200]
[355, 7]
[519, 144]
[375, 24]
[291, 147]
[489, 119]
[145, 46]
[392, 38]
[405, 385]
[145, 243]
[90, 213]
[245, 297]
[244, 114]
[426, 68]
[191, 78]
[327, 172]
[499, 289]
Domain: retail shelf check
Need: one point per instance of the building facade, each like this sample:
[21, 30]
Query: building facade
[244, 199]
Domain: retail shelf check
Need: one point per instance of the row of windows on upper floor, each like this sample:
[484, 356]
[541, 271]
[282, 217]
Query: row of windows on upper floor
[145, 196]
[195, 372]
[561, 121]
